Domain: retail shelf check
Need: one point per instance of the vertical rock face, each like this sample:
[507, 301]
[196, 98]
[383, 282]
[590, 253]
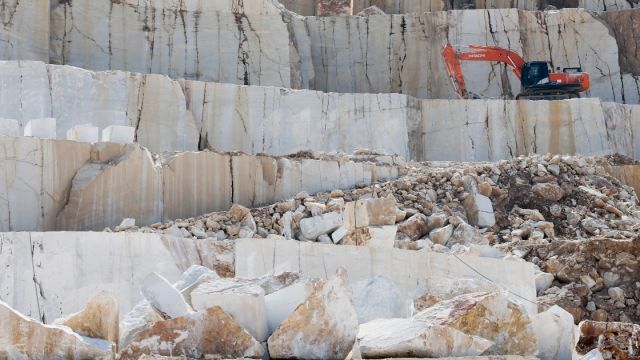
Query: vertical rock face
[207, 332]
[39, 171]
[140, 197]
[25, 28]
[337, 54]
[99, 319]
[325, 326]
[176, 38]
[21, 337]
[196, 183]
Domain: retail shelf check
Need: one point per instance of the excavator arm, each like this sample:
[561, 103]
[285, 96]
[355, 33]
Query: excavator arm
[478, 53]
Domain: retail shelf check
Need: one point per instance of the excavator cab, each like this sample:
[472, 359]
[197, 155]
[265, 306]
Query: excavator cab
[535, 73]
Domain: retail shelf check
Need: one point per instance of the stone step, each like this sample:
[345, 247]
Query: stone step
[263, 44]
[66, 185]
[186, 115]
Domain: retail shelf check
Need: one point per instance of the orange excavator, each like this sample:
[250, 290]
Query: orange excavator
[538, 81]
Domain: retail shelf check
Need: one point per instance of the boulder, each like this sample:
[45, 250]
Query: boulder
[24, 338]
[437, 221]
[479, 210]
[543, 281]
[397, 338]
[465, 234]
[237, 213]
[548, 191]
[209, 332]
[441, 235]
[315, 226]
[163, 297]
[99, 319]
[554, 329]
[325, 326]
[282, 303]
[415, 227]
[614, 340]
[143, 315]
[375, 212]
[244, 301]
[379, 298]
[489, 315]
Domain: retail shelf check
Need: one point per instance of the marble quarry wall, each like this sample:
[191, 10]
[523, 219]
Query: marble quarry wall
[51, 184]
[187, 115]
[264, 44]
[73, 267]
[308, 7]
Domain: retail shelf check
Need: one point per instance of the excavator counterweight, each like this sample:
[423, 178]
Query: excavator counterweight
[537, 80]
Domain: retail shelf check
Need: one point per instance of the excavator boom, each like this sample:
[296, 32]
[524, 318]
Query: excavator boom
[479, 53]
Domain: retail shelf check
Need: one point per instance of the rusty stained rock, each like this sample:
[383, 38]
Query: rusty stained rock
[210, 332]
[325, 326]
[334, 7]
[21, 337]
[614, 340]
[99, 319]
[488, 315]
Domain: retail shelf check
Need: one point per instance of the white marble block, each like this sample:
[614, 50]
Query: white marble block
[44, 128]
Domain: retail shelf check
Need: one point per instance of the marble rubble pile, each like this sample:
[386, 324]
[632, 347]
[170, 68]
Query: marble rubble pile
[556, 212]
[446, 204]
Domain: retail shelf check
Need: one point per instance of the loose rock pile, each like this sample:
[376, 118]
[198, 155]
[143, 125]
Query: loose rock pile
[564, 214]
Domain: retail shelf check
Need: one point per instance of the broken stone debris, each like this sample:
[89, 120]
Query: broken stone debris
[398, 338]
[164, 297]
[212, 331]
[325, 326]
[613, 340]
[98, 320]
[491, 316]
[245, 302]
[21, 337]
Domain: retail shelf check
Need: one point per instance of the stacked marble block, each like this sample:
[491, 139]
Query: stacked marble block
[45, 128]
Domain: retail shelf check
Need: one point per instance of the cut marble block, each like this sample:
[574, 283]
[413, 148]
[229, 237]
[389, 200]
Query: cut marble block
[119, 134]
[9, 127]
[44, 128]
[84, 133]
